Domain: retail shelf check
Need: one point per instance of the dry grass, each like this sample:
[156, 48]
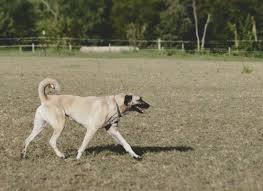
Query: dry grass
[204, 131]
[247, 69]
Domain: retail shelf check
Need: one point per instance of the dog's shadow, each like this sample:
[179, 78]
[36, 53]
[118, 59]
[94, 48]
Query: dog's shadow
[141, 150]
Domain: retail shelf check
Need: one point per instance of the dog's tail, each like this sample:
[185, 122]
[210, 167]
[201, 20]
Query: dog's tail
[48, 82]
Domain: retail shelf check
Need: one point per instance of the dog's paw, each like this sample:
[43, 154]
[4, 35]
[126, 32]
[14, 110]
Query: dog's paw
[137, 157]
[22, 156]
[78, 156]
[62, 156]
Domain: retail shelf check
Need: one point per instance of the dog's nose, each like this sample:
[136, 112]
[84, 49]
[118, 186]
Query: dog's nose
[146, 105]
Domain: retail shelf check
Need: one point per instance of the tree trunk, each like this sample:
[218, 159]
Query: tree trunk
[196, 26]
[236, 37]
[54, 13]
[254, 29]
[205, 29]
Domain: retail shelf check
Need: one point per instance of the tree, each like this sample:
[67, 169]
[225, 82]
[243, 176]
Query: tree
[175, 21]
[135, 33]
[52, 10]
[196, 25]
[189, 20]
[207, 9]
[17, 18]
[242, 16]
[139, 12]
[78, 18]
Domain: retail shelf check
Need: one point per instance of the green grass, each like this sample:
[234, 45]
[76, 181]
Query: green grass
[247, 69]
[203, 131]
[147, 54]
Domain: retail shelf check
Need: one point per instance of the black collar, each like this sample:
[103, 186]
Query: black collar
[118, 110]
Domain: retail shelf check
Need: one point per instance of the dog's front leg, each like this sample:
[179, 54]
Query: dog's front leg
[115, 134]
[88, 136]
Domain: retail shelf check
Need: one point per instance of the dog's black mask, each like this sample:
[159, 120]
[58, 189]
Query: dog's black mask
[136, 105]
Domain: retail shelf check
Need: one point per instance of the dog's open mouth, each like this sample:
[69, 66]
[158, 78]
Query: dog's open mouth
[140, 108]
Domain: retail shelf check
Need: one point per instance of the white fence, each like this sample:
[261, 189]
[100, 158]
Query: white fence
[34, 43]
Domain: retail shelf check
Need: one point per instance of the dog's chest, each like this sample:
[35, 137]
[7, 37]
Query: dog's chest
[112, 120]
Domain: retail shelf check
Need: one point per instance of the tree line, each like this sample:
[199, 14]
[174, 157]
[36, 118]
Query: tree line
[187, 20]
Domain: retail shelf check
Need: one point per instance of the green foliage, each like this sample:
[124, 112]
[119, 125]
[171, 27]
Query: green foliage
[138, 12]
[175, 22]
[246, 33]
[17, 18]
[134, 19]
[135, 32]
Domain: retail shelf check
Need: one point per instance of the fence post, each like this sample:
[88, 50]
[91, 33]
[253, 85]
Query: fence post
[229, 51]
[70, 47]
[159, 44]
[33, 47]
[109, 47]
[20, 48]
[182, 47]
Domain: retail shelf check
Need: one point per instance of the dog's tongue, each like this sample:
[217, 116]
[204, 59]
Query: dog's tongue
[142, 110]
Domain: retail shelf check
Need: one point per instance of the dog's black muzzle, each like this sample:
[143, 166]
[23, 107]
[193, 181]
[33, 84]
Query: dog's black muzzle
[141, 106]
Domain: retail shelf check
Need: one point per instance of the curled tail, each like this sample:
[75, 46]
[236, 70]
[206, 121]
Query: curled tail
[48, 82]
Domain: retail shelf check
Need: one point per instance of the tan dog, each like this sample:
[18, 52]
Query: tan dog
[91, 112]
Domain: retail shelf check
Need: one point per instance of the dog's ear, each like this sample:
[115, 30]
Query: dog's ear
[127, 99]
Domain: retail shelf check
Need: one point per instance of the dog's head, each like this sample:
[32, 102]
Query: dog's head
[131, 102]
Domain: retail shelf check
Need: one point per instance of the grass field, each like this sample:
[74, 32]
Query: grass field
[204, 131]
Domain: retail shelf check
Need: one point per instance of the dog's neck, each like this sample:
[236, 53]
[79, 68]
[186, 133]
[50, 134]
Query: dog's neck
[118, 110]
[121, 108]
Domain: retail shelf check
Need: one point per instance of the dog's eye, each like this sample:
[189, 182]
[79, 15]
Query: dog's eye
[127, 99]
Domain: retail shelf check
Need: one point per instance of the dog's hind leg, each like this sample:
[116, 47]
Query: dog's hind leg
[53, 140]
[39, 124]
[115, 134]
[57, 123]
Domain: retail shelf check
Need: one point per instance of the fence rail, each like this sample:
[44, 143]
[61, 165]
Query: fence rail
[33, 43]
